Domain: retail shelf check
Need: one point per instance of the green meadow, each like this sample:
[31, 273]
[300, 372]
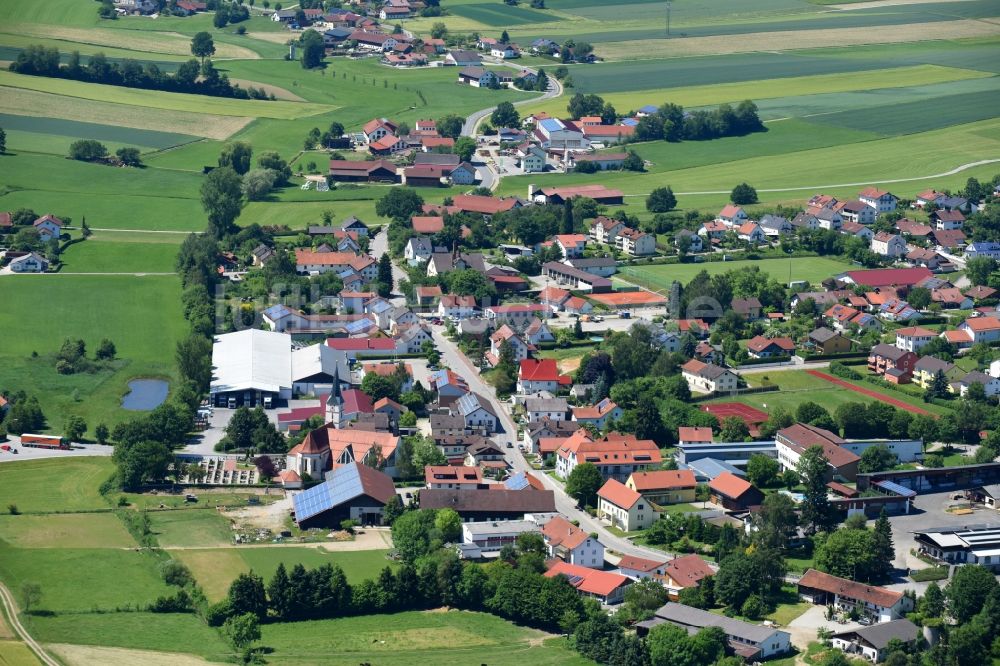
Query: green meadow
[810, 269]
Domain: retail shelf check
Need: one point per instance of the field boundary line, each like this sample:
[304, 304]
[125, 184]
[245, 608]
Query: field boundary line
[10, 609]
[950, 172]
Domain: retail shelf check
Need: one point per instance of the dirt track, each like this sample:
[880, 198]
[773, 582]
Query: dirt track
[871, 394]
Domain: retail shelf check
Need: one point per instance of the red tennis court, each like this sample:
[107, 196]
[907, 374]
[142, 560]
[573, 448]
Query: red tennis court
[749, 414]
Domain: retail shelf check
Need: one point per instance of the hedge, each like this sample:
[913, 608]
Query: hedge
[823, 357]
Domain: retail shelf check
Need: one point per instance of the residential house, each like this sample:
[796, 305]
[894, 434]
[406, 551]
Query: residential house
[535, 375]
[453, 306]
[947, 220]
[517, 314]
[49, 227]
[873, 642]
[794, 440]
[685, 572]
[888, 245]
[981, 329]
[750, 641]
[505, 51]
[616, 455]
[707, 377]
[928, 367]
[694, 240]
[441, 262]
[532, 160]
[983, 249]
[30, 262]
[623, 507]
[463, 174]
[537, 332]
[893, 363]
[713, 231]
[732, 215]
[694, 435]
[639, 568]
[991, 385]
[951, 298]
[748, 308]
[447, 383]
[598, 415]
[879, 604]
[569, 543]
[664, 487]
[751, 233]
[775, 225]
[856, 211]
[913, 338]
[554, 297]
[418, 250]
[826, 341]
[462, 58]
[571, 245]
[505, 334]
[453, 477]
[881, 200]
[829, 219]
[313, 262]
[859, 230]
[949, 239]
[761, 347]
[478, 77]
[734, 493]
[605, 586]
[636, 243]
[541, 409]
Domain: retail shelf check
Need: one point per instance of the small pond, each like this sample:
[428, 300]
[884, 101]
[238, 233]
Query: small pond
[145, 394]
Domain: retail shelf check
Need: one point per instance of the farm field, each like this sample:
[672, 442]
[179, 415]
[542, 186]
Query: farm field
[95, 530]
[811, 269]
[141, 315]
[149, 139]
[694, 96]
[446, 638]
[190, 527]
[70, 484]
[216, 568]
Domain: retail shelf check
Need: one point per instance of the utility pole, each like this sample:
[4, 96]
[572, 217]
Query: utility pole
[668, 18]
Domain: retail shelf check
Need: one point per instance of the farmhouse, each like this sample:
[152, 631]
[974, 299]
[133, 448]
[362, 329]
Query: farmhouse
[560, 195]
[354, 491]
[878, 603]
[48, 227]
[707, 377]
[376, 171]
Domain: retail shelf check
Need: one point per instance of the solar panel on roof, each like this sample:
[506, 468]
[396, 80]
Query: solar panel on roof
[342, 485]
[896, 489]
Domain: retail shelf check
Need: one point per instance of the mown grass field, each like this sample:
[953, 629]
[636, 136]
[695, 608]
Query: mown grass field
[140, 315]
[447, 638]
[811, 269]
[13, 653]
[151, 139]
[95, 255]
[500, 15]
[216, 568]
[190, 527]
[93, 530]
[68, 484]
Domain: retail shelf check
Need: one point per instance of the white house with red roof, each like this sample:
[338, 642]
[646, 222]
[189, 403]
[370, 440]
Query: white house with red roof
[378, 128]
[454, 306]
[751, 233]
[664, 486]
[888, 245]
[312, 262]
[554, 297]
[576, 305]
[505, 334]
[640, 568]
[635, 243]
[571, 245]
[913, 338]
[881, 200]
[761, 347]
[569, 543]
[694, 435]
[732, 215]
[536, 375]
[685, 572]
[605, 229]
[615, 455]
[623, 507]
[605, 586]
[452, 477]
[981, 329]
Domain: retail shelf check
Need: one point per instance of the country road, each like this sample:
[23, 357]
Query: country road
[473, 120]
[10, 606]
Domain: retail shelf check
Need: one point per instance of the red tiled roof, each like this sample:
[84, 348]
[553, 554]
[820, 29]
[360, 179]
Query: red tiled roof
[427, 224]
[888, 277]
[542, 370]
[694, 434]
[801, 436]
[561, 532]
[634, 563]
[618, 494]
[591, 581]
[629, 298]
[760, 343]
[360, 344]
[730, 485]
[663, 479]
[689, 570]
[472, 203]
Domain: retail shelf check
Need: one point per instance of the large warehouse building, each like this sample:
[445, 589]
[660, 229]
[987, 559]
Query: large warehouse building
[259, 368]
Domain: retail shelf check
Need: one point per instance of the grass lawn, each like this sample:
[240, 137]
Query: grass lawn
[68, 484]
[96, 255]
[811, 269]
[147, 631]
[444, 638]
[66, 530]
[140, 315]
[84, 579]
[216, 568]
[190, 527]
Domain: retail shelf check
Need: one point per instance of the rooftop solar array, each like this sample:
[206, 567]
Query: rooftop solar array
[342, 485]
[895, 488]
[517, 482]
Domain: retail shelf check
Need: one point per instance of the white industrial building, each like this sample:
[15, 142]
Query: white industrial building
[259, 368]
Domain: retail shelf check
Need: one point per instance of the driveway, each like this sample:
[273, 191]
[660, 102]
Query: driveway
[803, 628]
[473, 120]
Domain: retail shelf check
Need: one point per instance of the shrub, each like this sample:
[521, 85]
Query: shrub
[840, 370]
[87, 150]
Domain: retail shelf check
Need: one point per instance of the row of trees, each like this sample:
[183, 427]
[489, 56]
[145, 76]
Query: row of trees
[190, 77]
